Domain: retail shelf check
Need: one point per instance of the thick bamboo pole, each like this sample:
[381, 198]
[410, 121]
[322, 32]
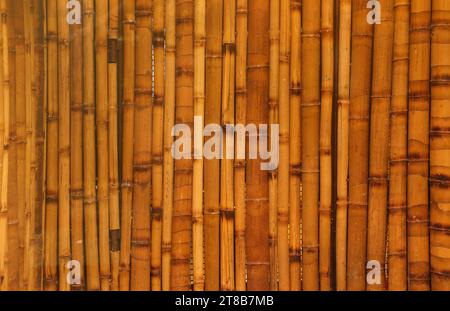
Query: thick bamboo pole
[418, 142]
[440, 147]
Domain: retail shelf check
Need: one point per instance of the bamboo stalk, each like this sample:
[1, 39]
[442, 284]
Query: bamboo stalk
[344, 45]
[379, 139]
[295, 158]
[310, 141]
[257, 184]
[157, 140]
[361, 59]
[440, 147]
[418, 141]
[240, 165]
[214, 26]
[169, 114]
[227, 215]
[101, 119]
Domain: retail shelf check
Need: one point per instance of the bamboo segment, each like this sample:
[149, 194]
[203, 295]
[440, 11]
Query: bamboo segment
[361, 59]
[184, 114]
[440, 147]
[295, 148]
[310, 141]
[213, 62]
[239, 171]
[140, 232]
[169, 114]
[418, 141]
[379, 140]
[257, 187]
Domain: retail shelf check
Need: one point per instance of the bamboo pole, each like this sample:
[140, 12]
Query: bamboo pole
[361, 59]
[240, 165]
[214, 26]
[344, 45]
[101, 119]
[140, 231]
[169, 115]
[157, 141]
[127, 141]
[379, 139]
[3, 213]
[227, 215]
[257, 184]
[310, 141]
[295, 159]
[418, 141]
[440, 147]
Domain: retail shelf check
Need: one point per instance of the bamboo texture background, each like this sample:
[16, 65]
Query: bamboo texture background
[87, 175]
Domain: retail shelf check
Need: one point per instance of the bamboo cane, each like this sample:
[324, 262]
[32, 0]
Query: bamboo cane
[361, 58]
[379, 139]
[127, 141]
[274, 76]
[101, 88]
[157, 140]
[295, 159]
[239, 171]
[3, 214]
[418, 141]
[214, 19]
[344, 45]
[310, 141]
[227, 280]
[440, 147]
[257, 198]
[169, 114]
[140, 232]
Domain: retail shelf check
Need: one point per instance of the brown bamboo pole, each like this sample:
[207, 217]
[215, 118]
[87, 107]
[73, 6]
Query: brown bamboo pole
[114, 211]
[440, 147]
[361, 59]
[274, 76]
[184, 110]
[344, 45]
[127, 141]
[214, 26]
[239, 171]
[76, 151]
[169, 115]
[227, 215]
[257, 186]
[310, 141]
[379, 139]
[326, 113]
[157, 141]
[397, 279]
[51, 200]
[89, 158]
[140, 231]
[295, 159]
[418, 142]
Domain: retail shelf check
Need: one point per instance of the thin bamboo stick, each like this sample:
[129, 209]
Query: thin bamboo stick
[440, 147]
[418, 142]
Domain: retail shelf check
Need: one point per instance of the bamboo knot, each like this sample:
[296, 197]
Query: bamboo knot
[306, 104]
[143, 13]
[131, 22]
[310, 35]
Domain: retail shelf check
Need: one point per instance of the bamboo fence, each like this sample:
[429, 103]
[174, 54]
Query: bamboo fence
[95, 96]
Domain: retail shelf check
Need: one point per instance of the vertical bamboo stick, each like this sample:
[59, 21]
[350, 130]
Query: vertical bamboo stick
[169, 114]
[295, 159]
[310, 141]
[418, 141]
[440, 147]
[257, 199]
[214, 26]
[361, 59]
[157, 141]
[227, 280]
[140, 232]
[239, 171]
